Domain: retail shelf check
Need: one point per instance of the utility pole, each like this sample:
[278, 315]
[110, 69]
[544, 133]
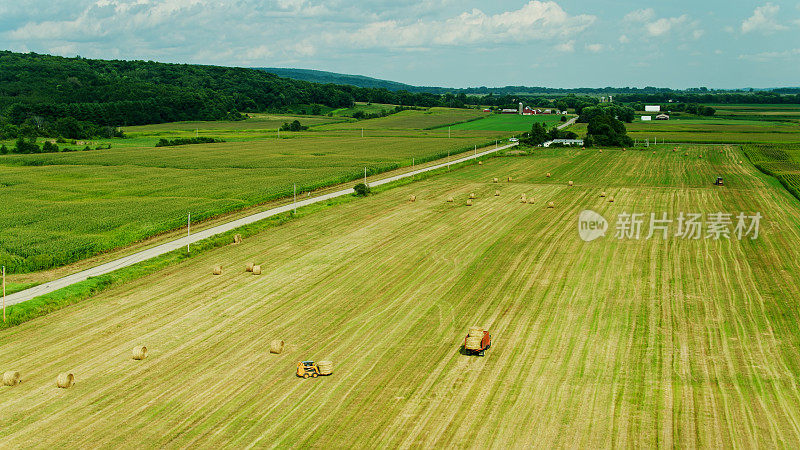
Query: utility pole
[295, 198]
[362, 132]
[448, 132]
[412, 163]
[188, 231]
[476, 150]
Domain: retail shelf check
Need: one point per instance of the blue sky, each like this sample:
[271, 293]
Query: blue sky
[559, 43]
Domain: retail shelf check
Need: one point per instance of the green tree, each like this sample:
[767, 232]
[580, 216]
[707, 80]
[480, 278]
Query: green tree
[605, 130]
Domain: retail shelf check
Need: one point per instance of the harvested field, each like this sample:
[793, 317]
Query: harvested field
[622, 343]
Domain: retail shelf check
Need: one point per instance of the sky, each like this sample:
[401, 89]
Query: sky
[452, 43]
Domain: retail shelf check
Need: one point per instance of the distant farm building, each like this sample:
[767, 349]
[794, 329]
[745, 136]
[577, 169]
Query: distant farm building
[662, 117]
[652, 108]
[509, 111]
[487, 110]
[527, 111]
[647, 118]
[564, 142]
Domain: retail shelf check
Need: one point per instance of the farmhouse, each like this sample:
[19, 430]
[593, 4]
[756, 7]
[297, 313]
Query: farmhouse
[647, 118]
[652, 108]
[565, 142]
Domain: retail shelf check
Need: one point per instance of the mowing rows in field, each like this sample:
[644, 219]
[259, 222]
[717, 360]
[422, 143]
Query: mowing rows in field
[611, 343]
[60, 208]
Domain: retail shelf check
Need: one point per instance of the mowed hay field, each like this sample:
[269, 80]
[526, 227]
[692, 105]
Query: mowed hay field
[608, 343]
[61, 207]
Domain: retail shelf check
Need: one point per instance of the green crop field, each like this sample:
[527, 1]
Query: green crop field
[413, 120]
[611, 343]
[61, 207]
[507, 122]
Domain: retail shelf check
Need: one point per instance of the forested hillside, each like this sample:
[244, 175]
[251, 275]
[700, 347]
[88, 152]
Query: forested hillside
[38, 93]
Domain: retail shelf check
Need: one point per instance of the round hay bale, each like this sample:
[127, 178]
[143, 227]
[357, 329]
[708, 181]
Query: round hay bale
[276, 346]
[602, 194]
[469, 202]
[497, 193]
[530, 201]
[139, 352]
[249, 267]
[523, 198]
[495, 180]
[571, 183]
[256, 270]
[686, 154]
[11, 378]
[675, 149]
[551, 205]
[611, 199]
[701, 156]
[218, 270]
[654, 152]
[65, 380]
[548, 175]
[480, 163]
[740, 161]
[237, 239]
[450, 199]
[601, 150]
[325, 367]
[510, 179]
[472, 195]
[413, 198]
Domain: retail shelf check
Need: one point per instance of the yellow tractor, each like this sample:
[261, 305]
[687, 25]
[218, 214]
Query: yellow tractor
[307, 369]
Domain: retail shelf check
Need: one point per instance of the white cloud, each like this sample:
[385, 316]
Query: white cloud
[663, 26]
[640, 15]
[595, 48]
[764, 19]
[567, 47]
[624, 39]
[536, 20]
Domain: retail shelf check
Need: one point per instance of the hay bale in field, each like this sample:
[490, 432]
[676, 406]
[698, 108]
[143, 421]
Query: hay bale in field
[551, 205]
[523, 198]
[701, 156]
[495, 180]
[472, 195]
[686, 154]
[276, 346]
[325, 367]
[249, 267]
[237, 239]
[675, 149]
[611, 199]
[740, 161]
[218, 270]
[530, 201]
[497, 193]
[412, 198]
[548, 175]
[654, 152]
[65, 380]
[480, 163]
[256, 270]
[601, 150]
[469, 202]
[571, 183]
[450, 199]
[602, 194]
[139, 352]
[11, 378]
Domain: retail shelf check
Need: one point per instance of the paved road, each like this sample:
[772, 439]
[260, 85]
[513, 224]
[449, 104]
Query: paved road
[167, 247]
[568, 123]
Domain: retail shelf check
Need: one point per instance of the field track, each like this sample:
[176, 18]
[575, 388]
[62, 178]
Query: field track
[603, 344]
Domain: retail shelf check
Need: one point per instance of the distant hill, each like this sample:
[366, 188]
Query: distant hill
[321, 76]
